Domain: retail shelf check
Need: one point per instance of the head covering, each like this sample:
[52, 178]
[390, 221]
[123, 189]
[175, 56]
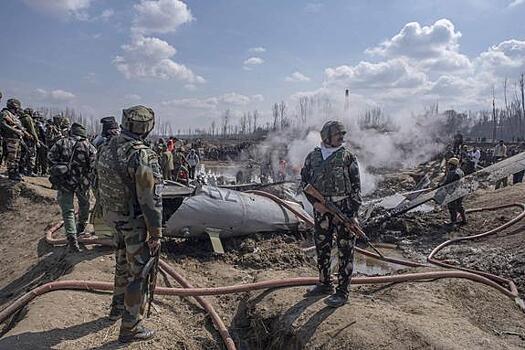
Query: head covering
[78, 130]
[108, 123]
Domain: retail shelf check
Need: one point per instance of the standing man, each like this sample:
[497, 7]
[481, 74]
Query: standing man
[12, 134]
[166, 162]
[41, 154]
[29, 154]
[110, 128]
[72, 161]
[129, 189]
[193, 160]
[454, 173]
[334, 171]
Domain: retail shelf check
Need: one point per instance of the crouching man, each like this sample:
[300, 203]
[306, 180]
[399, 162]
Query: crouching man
[334, 171]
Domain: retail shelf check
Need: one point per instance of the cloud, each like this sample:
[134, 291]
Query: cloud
[106, 14]
[253, 61]
[423, 64]
[505, 59]
[149, 57]
[61, 8]
[160, 16]
[296, 77]
[419, 42]
[313, 7]
[230, 99]
[259, 49]
[54, 97]
[395, 73]
[258, 98]
[516, 3]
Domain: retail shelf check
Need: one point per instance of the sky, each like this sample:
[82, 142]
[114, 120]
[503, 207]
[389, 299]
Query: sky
[190, 61]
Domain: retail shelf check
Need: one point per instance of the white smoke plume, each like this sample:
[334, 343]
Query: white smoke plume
[409, 140]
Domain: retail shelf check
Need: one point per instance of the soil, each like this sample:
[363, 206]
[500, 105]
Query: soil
[444, 314]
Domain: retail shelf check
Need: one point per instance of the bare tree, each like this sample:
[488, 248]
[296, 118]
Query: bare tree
[275, 113]
[494, 122]
[255, 117]
[522, 117]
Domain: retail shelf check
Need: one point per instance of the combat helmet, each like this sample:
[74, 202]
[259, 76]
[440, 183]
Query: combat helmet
[13, 103]
[29, 111]
[453, 161]
[139, 120]
[331, 128]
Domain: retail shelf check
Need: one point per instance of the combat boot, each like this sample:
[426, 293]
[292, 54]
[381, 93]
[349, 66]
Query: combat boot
[81, 227]
[115, 313]
[320, 289]
[138, 334]
[336, 300]
[72, 244]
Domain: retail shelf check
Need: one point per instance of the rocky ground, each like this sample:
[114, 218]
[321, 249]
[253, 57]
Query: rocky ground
[445, 314]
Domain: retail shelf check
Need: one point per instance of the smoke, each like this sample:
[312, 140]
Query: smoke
[399, 141]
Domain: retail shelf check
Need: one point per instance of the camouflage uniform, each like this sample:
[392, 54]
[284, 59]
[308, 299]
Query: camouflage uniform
[129, 190]
[455, 207]
[76, 152]
[12, 132]
[41, 154]
[337, 178]
[54, 131]
[29, 152]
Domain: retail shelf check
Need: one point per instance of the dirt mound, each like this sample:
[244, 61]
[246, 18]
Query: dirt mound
[447, 314]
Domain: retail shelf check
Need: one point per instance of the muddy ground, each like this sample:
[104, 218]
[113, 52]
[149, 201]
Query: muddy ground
[445, 314]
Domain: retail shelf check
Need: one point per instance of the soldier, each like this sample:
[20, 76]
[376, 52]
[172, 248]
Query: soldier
[334, 171]
[109, 129]
[41, 154]
[12, 133]
[129, 189]
[454, 173]
[72, 161]
[53, 132]
[29, 152]
[179, 163]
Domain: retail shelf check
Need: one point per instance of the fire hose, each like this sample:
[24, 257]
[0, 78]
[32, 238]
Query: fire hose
[187, 290]
[511, 292]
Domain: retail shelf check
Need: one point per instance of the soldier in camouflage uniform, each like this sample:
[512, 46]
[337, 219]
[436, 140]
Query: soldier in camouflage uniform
[129, 189]
[334, 171]
[78, 155]
[13, 134]
[41, 154]
[54, 131]
[29, 153]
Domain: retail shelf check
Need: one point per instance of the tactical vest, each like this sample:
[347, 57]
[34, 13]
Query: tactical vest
[7, 133]
[331, 176]
[116, 188]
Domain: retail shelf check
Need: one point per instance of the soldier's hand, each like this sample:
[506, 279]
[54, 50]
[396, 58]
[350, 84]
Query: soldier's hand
[154, 245]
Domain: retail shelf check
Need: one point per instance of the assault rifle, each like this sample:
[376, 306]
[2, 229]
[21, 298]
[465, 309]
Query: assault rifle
[149, 274]
[351, 224]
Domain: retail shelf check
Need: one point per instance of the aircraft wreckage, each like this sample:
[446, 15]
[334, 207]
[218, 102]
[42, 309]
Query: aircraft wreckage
[220, 212]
